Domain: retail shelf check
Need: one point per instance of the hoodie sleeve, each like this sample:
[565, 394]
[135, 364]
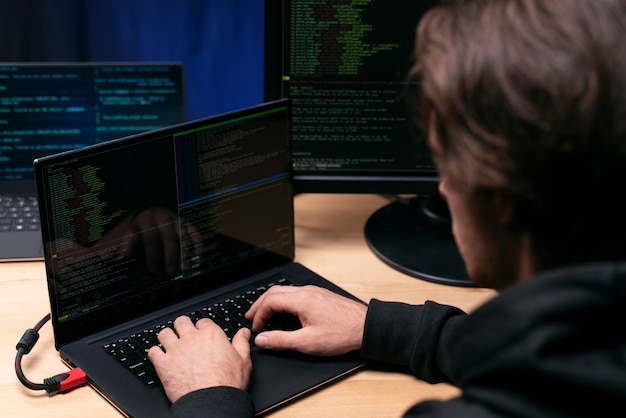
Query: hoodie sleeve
[416, 336]
[214, 402]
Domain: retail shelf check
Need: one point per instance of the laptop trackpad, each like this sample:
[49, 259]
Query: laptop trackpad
[276, 376]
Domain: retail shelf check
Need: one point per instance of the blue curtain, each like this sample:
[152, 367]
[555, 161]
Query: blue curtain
[220, 42]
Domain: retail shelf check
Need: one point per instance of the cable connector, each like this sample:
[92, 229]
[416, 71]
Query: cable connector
[28, 340]
[64, 382]
[61, 382]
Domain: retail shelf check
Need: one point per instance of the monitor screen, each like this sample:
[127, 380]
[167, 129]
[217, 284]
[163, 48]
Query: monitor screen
[344, 66]
[47, 108]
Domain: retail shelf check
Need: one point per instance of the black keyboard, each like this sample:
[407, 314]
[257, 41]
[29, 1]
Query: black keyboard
[19, 213]
[132, 351]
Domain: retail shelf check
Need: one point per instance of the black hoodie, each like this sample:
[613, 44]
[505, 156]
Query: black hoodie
[553, 346]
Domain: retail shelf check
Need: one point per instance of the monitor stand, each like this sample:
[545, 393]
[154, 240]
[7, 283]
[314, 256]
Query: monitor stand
[416, 239]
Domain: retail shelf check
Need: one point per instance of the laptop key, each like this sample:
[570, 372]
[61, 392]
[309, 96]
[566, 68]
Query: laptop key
[148, 376]
[137, 365]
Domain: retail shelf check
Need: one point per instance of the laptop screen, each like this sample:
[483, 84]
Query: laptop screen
[46, 108]
[131, 224]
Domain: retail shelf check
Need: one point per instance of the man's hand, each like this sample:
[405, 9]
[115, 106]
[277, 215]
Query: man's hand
[200, 356]
[331, 324]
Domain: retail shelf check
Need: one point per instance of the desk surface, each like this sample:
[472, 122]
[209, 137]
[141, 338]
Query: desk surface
[329, 237]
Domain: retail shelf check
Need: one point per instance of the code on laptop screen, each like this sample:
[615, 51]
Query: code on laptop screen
[132, 221]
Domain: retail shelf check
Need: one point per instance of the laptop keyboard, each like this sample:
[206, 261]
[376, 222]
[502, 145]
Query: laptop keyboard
[132, 351]
[19, 213]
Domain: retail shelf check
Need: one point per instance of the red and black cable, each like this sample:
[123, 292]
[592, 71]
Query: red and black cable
[61, 382]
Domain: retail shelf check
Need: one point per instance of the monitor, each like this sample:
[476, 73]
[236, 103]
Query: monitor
[344, 65]
[48, 107]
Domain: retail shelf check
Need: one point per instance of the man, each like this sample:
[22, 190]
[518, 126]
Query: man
[524, 103]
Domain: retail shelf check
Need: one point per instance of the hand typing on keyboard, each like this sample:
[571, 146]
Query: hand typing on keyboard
[308, 319]
[331, 323]
[224, 363]
[228, 314]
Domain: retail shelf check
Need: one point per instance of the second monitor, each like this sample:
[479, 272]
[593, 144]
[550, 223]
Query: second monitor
[344, 66]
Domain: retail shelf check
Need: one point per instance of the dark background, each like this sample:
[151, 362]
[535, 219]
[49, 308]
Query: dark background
[219, 41]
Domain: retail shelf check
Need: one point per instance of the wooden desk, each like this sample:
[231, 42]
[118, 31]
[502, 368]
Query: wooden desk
[329, 236]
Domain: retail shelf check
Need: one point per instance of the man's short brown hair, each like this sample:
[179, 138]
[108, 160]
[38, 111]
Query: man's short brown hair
[528, 97]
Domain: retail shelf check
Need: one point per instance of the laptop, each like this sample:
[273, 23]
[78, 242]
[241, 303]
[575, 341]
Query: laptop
[189, 219]
[46, 108]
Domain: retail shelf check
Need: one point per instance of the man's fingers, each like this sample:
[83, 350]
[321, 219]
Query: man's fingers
[271, 302]
[205, 323]
[274, 290]
[155, 353]
[166, 334]
[241, 342]
[183, 324]
[280, 340]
